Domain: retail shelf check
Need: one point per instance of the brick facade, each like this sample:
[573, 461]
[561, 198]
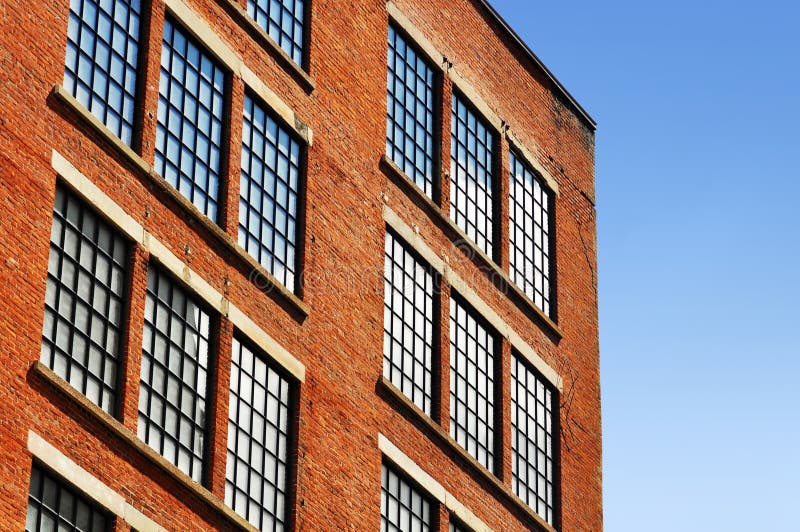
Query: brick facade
[333, 323]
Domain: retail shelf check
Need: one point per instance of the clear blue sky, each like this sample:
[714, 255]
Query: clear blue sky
[698, 184]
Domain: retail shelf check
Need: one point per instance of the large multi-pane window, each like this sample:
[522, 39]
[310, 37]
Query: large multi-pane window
[172, 397]
[190, 111]
[529, 212]
[472, 347]
[409, 113]
[407, 323]
[83, 313]
[471, 165]
[259, 421]
[403, 507]
[283, 20]
[532, 409]
[102, 56]
[268, 192]
[55, 505]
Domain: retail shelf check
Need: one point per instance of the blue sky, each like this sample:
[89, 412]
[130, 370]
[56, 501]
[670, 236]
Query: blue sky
[698, 184]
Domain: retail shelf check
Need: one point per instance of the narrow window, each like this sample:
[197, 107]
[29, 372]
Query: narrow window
[472, 348]
[190, 110]
[456, 526]
[409, 118]
[81, 337]
[172, 398]
[471, 164]
[259, 422]
[55, 505]
[530, 230]
[407, 323]
[532, 411]
[268, 198]
[283, 20]
[102, 55]
[403, 506]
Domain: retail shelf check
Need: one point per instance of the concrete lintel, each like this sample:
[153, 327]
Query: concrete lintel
[532, 160]
[429, 484]
[459, 285]
[89, 485]
[117, 216]
[203, 32]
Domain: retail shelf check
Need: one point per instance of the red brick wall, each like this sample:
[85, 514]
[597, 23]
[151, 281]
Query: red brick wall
[340, 342]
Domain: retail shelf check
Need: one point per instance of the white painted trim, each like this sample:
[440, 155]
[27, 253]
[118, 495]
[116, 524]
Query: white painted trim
[412, 238]
[134, 231]
[427, 482]
[89, 485]
[203, 31]
[466, 89]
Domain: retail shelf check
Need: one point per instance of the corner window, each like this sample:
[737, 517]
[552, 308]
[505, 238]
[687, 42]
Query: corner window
[101, 61]
[530, 232]
[86, 275]
[409, 118]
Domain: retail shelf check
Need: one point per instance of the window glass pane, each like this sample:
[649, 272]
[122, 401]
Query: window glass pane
[532, 412]
[55, 505]
[258, 436]
[100, 66]
[409, 121]
[403, 507]
[268, 193]
[471, 164]
[189, 128]
[283, 20]
[82, 306]
[172, 402]
[529, 228]
[472, 384]
[408, 323]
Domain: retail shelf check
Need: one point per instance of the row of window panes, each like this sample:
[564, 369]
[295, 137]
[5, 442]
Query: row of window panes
[410, 134]
[408, 363]
[81, 342]
[100, 72]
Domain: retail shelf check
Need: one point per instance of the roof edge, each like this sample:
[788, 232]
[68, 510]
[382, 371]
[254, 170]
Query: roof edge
[538, 62]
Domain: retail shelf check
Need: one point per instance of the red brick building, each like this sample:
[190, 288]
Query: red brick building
[293, 265]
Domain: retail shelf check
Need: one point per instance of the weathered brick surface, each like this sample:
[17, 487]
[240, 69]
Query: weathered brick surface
[340, 413]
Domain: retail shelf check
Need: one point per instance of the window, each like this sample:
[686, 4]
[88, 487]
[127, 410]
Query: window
[283, 20]
[172, 397]
[189, 129]
[268, 193]
[471, 164]
[529, 211]
[258, 437]
[409, 120]
[86, 272]
[407, 323]
[472, 384]
[403, 507]
[532, 410]
[53, 505]
[456, 526]
[102, 55]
